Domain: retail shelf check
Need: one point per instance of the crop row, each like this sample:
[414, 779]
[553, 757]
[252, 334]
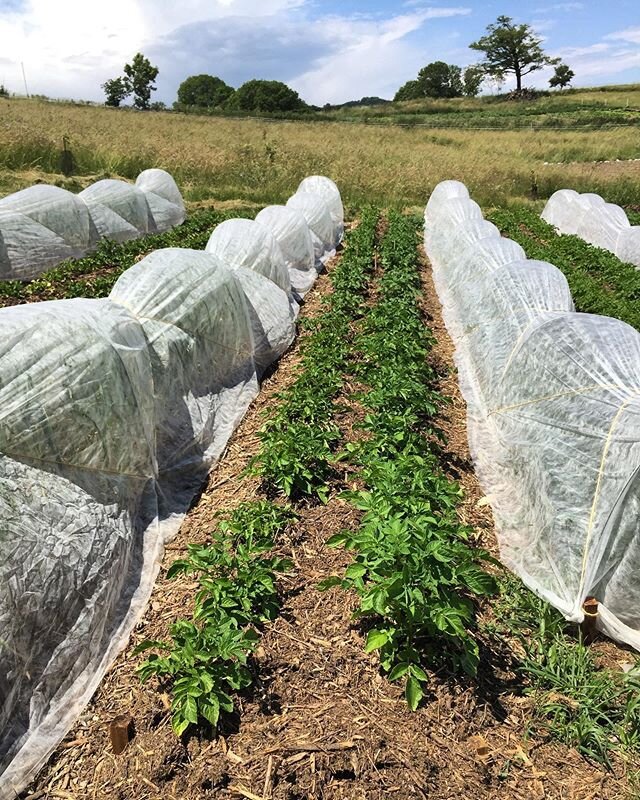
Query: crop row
[205, 658]
[95, 274]
[299, 440]
[414, 569]
[600, 283]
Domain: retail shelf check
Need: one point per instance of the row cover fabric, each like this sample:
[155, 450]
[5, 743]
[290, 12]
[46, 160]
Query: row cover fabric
[329, 192]
[308, 229]
[44, 225]
[112, 412]
[553, 412]
[602, 224]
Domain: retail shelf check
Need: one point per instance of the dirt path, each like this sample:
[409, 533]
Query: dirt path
[320, 722]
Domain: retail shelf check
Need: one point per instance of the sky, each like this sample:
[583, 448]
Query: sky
[329, 52]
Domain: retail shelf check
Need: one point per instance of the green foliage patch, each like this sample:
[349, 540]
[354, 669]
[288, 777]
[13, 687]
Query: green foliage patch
[575, 700]
[205, 658]
[300, 438]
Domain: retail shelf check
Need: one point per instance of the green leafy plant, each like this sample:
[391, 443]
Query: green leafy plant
[205, 663]
[575, 700]
[414, 570]
[299, 441]
[205, 658]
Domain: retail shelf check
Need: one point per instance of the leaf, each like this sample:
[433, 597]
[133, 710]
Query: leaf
[355, 571]
[211, 710]
[149, 644]
[479, 582]
[413, 693]
[398, 671]
[190, 709]
[338, 539]
[179, 724]
[419, 673]
[375, 640]
[447, 619]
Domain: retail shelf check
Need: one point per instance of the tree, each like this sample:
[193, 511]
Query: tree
[409, 91]
[115, 90]
[265, 96]
[140, 76]
[562, 76]
[472, 79]
[435, 80]
[510, 48]
[204, 91]
[440, 80]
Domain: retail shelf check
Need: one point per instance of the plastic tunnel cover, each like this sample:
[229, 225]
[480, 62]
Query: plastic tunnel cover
[329, 192]
[322, 227]
[119, 210]
[245, 243]
[197, 322]
[40, 227]
[553, 406]
[595, 221]
[77, 458]
[44, 225]
[294, 237]
[574, 382]
[164, 198]
[445, 190]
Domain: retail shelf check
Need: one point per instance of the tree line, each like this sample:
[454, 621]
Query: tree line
[508, 48]
[200, 91]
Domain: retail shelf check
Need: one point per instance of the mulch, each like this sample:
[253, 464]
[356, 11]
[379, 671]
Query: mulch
[320, 720]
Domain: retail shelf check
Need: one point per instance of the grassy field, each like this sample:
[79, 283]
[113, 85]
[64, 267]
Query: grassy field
[219, 159]
[588, 108]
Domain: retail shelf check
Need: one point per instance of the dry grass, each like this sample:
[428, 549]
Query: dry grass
[264, 161]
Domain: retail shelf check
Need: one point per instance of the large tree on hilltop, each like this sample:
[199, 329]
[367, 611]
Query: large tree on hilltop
[511, 49]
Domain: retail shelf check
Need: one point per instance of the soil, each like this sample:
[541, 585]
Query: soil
[321, 722]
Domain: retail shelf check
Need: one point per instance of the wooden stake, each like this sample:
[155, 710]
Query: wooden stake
[120, 730]
[588, 624]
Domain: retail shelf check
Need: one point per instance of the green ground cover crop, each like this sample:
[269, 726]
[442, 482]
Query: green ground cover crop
[300, 438]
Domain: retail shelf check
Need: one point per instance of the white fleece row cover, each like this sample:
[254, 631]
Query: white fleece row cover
[44, 225]
[553, 409]
[112, 412]
[602, 224]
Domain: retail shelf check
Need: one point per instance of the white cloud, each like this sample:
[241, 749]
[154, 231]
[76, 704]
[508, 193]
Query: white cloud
[374, 58]
[628, 35]
[559, 7]
[70, 47]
